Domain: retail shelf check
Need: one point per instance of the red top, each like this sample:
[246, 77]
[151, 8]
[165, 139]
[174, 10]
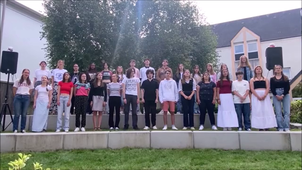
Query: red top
[65, 87]
[225, 87]
[81, 91]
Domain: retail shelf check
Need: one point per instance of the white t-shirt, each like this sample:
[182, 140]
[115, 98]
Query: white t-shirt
[43, 93]
[143, 72]
[58, 74]
[168, 91]
[241, 87]
[23, 88]
[131, 85]
[39, 73]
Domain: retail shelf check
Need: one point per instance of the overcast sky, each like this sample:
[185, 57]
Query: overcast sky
[219, 11]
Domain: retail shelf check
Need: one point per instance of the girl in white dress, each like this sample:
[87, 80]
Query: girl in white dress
[262, 116]
[41, 105]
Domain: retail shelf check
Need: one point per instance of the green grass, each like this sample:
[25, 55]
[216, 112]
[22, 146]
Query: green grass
[137, 159]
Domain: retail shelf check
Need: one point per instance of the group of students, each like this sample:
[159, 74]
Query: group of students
[246, 98]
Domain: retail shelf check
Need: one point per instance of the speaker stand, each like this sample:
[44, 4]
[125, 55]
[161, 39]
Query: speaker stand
[5, 107]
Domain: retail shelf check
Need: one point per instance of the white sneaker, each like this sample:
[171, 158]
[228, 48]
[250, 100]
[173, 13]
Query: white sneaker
[116, 128]
[83, 129]
[165, 127]
[185, 128]
[174, 128]
[225, 129]
[192, 128]
[154, 128]
[201, 127]
[214, 127]
[229, 129]
[178, 113]
[58, 130]
[161, 112]
[248, 130]
[111, 128]
[146, 128]
[168, 113]
[280, 130]
[15, 131]
[77, 129]
[23, 131]
[66, 130]
[239, 129]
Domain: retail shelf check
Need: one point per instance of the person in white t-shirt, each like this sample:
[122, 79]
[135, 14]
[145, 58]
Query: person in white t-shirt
[241, 90]
[57, 76]
[21, 90]
[41, 105]
[39, 73]
[143, 70]
[131, 88]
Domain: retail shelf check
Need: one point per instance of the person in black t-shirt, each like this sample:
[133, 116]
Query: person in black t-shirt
[150, 98]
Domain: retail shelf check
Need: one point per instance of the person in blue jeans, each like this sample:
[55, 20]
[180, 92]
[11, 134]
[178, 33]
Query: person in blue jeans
[280, 87]
[22, 89]
[241, 90]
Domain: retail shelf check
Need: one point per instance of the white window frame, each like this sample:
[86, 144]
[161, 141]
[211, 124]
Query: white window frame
[289, 69]
[239, 45]
[251, 51]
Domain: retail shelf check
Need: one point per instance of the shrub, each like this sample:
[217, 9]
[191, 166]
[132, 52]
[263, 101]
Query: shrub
[20, 163]
[296, 111]
[297, 91]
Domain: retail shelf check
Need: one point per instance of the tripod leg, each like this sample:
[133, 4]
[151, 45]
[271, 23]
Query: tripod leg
[3, 112]
[11, 117]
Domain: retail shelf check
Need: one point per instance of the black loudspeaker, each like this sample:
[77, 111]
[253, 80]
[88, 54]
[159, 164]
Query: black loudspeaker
[273, 57]
[9, 62]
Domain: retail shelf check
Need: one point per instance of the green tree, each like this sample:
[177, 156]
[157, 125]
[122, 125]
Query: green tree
[119, 30]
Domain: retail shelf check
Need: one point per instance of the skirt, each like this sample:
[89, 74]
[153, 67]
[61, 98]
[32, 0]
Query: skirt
[53, 106]
[40, 116]
[97, 105]
[227, 116]
[262, 115]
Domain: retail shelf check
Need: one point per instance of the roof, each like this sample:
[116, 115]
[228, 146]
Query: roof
[280, 25]
[22, 8]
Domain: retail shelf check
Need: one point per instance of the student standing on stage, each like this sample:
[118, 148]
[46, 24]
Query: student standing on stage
[161, 72]
[41, 72]
[262, 116]
[177, 77]
[114, 92]
[168, 96]
[81, 91]
[91, 72]
[144, 70]
[65, 91]
[150, 98]
[132, 65]
[198, 77]
[210, 70]
[280, 88]
[74, 78]
[97, 100]
[206, 94]
[121, 76]
[241, 91]
[106, 73]
[187, 88]
[222, 67]
[57, 76]
[41, 105]
[22, 89]
[131, 88]
[245, 68]
[227, 116]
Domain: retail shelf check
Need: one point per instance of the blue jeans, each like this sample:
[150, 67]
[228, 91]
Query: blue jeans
[63, 106]
[245, 110]
[21, 103]
[283, 122]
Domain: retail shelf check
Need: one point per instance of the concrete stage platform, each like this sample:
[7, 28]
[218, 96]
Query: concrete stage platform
[52, 122]
[231, 140]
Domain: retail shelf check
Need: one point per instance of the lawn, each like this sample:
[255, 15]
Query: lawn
[137, 159]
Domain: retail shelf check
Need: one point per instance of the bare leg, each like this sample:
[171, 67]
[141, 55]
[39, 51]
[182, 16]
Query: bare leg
[94, 120]
[100, 120]
[165, 117]
[172, 118]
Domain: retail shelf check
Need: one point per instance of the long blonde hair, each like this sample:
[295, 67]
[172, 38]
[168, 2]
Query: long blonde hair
[212, 69]
[255, 74]
[247, 62]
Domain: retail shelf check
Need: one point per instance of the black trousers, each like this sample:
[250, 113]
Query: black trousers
[114, 103]
[188, 110]
[81, 105]
[150, 107]
[72, 105]
[204, 106]
[131, 99]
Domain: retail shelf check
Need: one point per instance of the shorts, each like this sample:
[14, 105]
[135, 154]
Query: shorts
[168, 105]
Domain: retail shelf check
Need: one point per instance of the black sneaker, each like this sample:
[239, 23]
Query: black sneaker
[136, 128]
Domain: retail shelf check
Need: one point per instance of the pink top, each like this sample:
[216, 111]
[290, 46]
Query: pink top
[213, 78]
[82, 91]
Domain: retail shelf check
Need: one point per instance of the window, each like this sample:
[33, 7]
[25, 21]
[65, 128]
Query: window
[252, 50]
[286, 71]
[239, 51]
